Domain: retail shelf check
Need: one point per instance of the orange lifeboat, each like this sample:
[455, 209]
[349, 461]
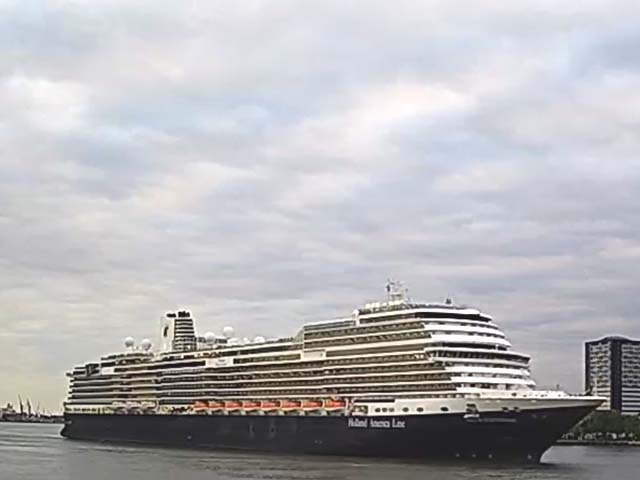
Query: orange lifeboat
[216, 405]
[333, 404]
[200, 406]
[250, 405]
[232, 405]
[290, 404]
[270, 405]
[311, 404]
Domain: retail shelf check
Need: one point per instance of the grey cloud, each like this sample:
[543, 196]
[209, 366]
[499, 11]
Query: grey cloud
[266, 163]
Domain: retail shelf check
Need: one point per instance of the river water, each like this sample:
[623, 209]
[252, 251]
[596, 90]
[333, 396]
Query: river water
[37, 452]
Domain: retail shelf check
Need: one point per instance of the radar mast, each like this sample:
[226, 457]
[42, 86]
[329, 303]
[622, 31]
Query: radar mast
[396, 290]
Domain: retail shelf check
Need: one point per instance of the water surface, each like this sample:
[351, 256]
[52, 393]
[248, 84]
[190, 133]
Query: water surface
[37, 452]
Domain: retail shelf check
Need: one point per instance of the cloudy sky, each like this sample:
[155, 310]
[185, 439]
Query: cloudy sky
[270, 162]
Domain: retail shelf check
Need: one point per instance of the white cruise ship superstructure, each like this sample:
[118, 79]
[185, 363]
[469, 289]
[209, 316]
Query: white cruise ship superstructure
[395, 378]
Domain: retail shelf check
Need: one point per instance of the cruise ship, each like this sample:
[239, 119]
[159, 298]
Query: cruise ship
[395, 378]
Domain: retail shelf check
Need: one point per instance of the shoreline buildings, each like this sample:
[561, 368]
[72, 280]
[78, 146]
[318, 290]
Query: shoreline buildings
[612, 370]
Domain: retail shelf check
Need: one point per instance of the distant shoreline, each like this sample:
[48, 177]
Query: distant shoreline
[35, 420]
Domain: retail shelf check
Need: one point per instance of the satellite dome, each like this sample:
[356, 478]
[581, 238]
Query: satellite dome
[233, 341]
[129, 342]
[259, 339]
[246, 341]
[146, 344]
[227, 332]
[210, 337]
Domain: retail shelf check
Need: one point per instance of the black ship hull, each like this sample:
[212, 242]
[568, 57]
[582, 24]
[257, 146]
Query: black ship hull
[520, 437]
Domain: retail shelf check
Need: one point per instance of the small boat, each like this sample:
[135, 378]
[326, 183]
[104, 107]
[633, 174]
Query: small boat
[216, 405]
[290, 404]
[232, 405]
[311, 404]
[250, 405]
[200, 406]
[333, 404]
[270, 405]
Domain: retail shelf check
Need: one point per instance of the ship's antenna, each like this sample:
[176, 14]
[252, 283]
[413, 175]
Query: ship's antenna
[395, 290]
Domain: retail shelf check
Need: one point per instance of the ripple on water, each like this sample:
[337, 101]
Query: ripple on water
[37, 452]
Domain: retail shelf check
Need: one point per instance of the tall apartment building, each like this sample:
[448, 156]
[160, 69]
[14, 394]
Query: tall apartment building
[612, 370]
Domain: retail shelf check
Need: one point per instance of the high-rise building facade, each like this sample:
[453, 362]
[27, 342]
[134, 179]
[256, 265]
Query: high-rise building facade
[612, 371]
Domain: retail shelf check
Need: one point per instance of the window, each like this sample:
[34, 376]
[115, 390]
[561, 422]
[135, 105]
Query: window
[444, 409]
[420, 409]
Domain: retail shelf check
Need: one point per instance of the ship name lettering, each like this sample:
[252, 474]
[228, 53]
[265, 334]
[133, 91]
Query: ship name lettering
[373, 423]
[358, 423]
[380, 423]
[395, 423]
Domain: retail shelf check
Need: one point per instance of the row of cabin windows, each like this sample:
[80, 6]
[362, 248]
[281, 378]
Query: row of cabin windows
[180, 377]
[363, 330]
[266, 393]
[321, 381]
[273, 346]
[270, 349]
[466, 324]
[305, 364]
[303, 373]
[314, 392]
[483, 356]
[175, 382]
[189, 402]
[477, 346]
[488, 375]
[374, 350]
[392, 337]
[469, 334]
[316, 363]
[142, 383]
[277, 358]
[162, 366]
[189, 360]
[401, 316]
[392, 327]
[336, 324]
[362, 359]
[116, 397]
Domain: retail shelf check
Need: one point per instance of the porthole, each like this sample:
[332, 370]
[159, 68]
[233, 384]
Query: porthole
[444, 409]
[377, 410]
[420, 409]
[405, 409]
